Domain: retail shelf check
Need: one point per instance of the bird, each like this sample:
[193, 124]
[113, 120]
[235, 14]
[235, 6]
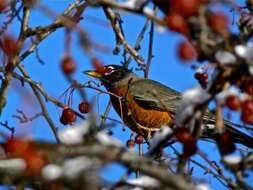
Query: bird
[146, 105]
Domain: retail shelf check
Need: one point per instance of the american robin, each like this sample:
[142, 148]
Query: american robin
[146, 105]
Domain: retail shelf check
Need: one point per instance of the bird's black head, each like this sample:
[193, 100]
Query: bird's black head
[112, 75]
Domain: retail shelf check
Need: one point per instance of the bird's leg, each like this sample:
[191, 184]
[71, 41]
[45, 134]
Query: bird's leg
[140, 148]
[149, 133]
[121, 109]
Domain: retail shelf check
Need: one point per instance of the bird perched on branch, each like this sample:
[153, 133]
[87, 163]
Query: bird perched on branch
[146, 105]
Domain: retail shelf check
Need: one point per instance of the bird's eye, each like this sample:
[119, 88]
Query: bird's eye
[109, 70]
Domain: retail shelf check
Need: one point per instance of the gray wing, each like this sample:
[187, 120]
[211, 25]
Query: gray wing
[150, 94]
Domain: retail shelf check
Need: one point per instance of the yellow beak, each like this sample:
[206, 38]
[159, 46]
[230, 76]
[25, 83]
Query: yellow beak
[93, 74]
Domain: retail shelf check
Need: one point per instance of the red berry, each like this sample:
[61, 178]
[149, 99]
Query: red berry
[189, 149]
[233, 102]
[202, 79]
[16, 147]
[185, 7]
[2, 5]
[248, 87]
[97, 64]
[226, 143]
[183, 135]
[203, 84]
[68, 65]
[218, 22]
[130, 143]
[9, 46]
[201, 76]
[34, 162]
[247, 112]
[247, 118]
[68, 116]
[186, 51]
[139, 139]
[177, 23]
[84, 107]
[247, 106]
[21, 148]
[64, 120]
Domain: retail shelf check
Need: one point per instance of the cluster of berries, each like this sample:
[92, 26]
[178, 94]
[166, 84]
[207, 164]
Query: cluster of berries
[178, 14]
[234, 103]
[68, 115]
[138, 140]
[20, 148]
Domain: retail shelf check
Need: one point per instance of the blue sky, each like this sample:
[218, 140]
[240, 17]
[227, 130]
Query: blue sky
[166, 68]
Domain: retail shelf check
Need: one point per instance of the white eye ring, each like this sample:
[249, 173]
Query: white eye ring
[110, 70]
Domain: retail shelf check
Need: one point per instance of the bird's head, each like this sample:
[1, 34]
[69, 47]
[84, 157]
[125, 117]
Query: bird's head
[112, 75]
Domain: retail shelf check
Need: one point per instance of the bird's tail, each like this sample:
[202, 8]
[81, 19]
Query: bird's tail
[237, 135]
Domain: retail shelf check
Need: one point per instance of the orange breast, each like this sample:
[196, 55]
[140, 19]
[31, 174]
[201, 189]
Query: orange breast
[136, 117]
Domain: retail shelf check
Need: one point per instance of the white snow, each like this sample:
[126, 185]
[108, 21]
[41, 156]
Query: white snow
[148, 11]
[74, 134]
[232, 159]
[225, 57]
[144, 181]
[106, 139]
[202, 187]
[51, 172]
[159, 136]
[72, 167]
[251, 69]
[160, 29]
[208, 126]
[244, 96]
[246, 52]
[202, 69]
[134, 4]
[13, 165]
[190, 99]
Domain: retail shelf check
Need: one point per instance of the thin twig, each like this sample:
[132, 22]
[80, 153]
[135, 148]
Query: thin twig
[6, 125]
[138, 42]
[13, 15]
[42, 105]
[150, 47]
[139, 10]
[120, 36]
[14, 60]
[23, 118]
